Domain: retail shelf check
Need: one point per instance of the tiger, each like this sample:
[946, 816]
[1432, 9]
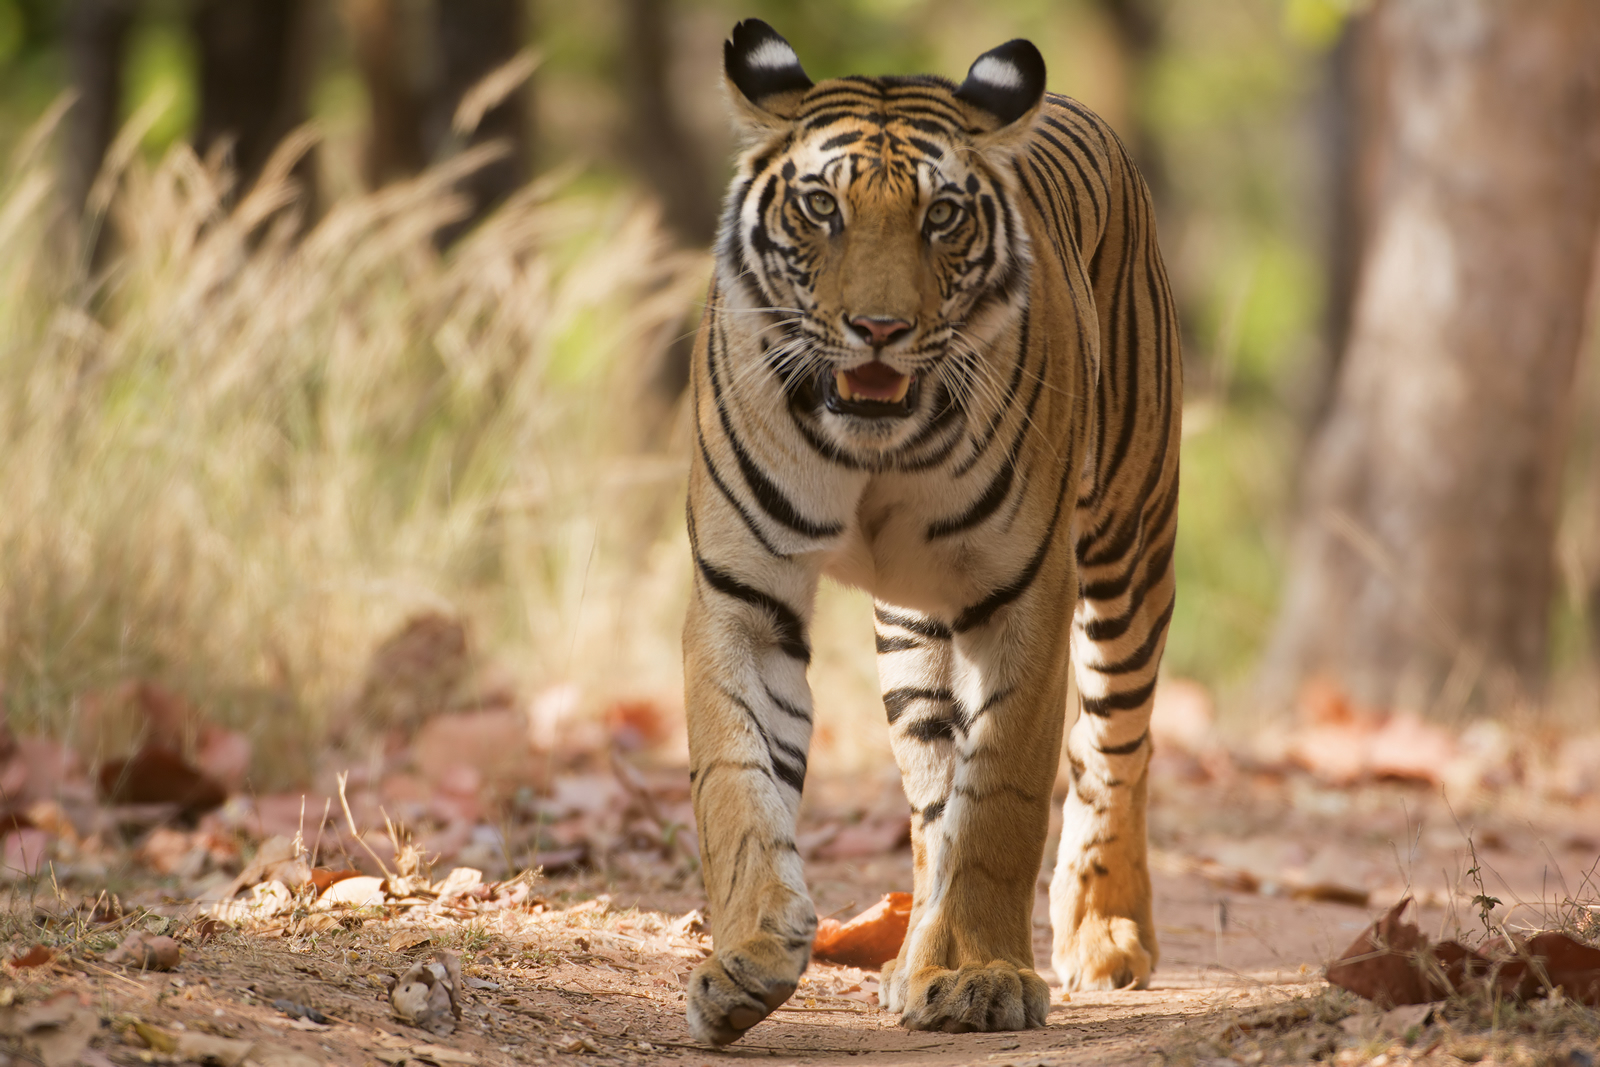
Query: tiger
[939, 361]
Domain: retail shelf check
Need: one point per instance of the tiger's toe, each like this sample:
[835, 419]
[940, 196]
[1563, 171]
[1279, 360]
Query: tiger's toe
[999, 996]
[1102, 954]
[732, 991]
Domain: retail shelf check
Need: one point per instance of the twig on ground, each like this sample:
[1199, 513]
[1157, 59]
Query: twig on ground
[344, 776]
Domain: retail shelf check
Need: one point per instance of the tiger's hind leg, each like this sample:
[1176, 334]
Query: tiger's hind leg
[1100, 906]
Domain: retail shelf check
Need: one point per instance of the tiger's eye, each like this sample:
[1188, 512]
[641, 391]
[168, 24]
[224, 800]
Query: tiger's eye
[941, 212]
[821, 204]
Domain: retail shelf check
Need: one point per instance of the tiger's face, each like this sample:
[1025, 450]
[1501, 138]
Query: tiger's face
[870, 223]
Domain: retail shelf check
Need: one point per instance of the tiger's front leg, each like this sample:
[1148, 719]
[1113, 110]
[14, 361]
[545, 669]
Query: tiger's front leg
[967, 961]
[749, 718]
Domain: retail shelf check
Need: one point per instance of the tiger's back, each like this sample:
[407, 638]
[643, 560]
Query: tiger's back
[939, 363]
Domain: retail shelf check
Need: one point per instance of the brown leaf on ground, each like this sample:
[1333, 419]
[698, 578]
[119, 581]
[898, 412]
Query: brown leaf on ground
[147, 952]
[159, 775]
[869, 940]
[1387, 964]
[33, 956]
[427, 995]
[409, 940]
[1572, 966]
[1521, 969]
[53, 1032]
[277, 860]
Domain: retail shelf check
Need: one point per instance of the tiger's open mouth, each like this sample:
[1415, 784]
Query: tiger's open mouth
[874, 390]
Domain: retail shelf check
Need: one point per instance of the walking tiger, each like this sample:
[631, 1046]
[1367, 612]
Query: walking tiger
[939, 362]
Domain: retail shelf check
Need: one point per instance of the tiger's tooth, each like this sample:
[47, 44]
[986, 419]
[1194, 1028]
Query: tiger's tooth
[841, 382]
[903, 388]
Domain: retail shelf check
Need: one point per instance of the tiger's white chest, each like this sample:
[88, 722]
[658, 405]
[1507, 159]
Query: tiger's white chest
[886, 550]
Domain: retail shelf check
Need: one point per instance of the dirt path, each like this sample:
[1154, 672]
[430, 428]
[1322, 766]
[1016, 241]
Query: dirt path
[593, 967]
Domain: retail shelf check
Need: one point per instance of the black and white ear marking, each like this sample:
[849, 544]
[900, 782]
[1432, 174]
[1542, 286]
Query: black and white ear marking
[1007, 82]
[761, 64]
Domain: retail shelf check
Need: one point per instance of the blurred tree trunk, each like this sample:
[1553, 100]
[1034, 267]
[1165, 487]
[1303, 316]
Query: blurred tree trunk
[658, 142]
[1349, 122]
[418, 71]
[393, 147]
[1422, 571]
[97, 37]
[475, 38]
[257, 59]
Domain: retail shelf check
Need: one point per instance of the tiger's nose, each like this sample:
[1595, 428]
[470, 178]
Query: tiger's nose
[878, 331]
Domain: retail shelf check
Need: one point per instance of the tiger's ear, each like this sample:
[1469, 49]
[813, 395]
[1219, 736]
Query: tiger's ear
[1003, 90]
[765, 80]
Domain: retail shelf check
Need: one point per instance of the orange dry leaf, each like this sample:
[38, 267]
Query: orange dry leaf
[869, 940]
[34, 956]
[322, 877]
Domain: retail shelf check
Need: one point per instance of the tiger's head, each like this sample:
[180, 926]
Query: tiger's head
[872, 221]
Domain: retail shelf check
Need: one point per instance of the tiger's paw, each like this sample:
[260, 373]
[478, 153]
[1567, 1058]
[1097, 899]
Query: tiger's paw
[1104, 952]
[999, 996]
[733, 990]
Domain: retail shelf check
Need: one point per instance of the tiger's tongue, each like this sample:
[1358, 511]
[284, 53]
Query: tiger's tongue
[875, 381]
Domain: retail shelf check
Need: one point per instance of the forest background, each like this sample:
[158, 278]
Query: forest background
[247, 432]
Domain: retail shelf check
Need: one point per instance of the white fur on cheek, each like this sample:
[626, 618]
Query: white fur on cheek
[996, 72]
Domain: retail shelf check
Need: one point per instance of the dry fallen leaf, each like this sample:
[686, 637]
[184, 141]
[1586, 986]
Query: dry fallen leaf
[409, 940]
[871, 939]
[1566, 963]
[322, 877]
[427, 995]
[34, 956]
[53, 1032]
[209, 1049]
[363, 891]
[155, 1038]
[147, 952]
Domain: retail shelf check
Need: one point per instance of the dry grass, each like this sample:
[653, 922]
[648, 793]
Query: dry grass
[234, 459]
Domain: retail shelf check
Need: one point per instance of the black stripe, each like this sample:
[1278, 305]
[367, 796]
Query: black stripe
[791, 710]
[1124, 750]
[896, 701]
[983, 610]
[932, 730]
[791, 631]
[1104, 707]
[1111, 629]
[767, 494]
[926, 627]
[932, 811]
[982, 508]
[791, 770]
[733, 501]
[895, 643]
[1139, 658]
